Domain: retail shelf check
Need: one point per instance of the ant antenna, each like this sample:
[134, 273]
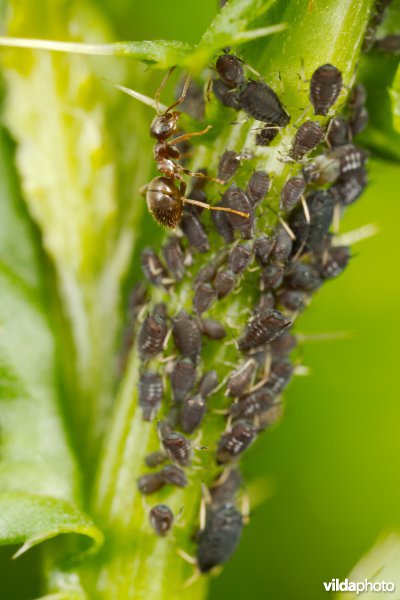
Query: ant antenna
[160, 89]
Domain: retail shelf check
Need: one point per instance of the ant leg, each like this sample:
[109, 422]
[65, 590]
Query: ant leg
[188, 136]
[204, 205]
[160, 89]
[182, 96]
[199, 175]
[143, 189]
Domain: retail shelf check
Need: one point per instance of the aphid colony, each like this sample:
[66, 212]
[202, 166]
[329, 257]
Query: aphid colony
[286, 266]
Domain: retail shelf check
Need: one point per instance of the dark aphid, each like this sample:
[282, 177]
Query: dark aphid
[338, 132]
[267, 300]
[390, 43]
[230, 69]
[208, 383]
[212, 329]
[358, 120]
[150, 393]
[239, 258]
[262, 247]
[152, 336]
[325, 87]
[206, 273]
[303, 277]
[187, 336]
[150, 483]
[357, 96]
[204, 296]
[310, 235]
[224, 488]
[235, 198]
[291, 192]
[263, 327]
[240, 379]
[161, 519]
[224, 283]
[137, 298]
[334, 263]
[253, 404]
[307, 137]
[272, 276]
[220, 537]
[174, 258]
[323, 169]
[228, 165]
[291, 299]
[280, 374]
[283, 245]
[183, 378]
[260, 102]
[173, 475]
[258, 187]
[351, 159]
[225, 95]
[198, 193]
[350, 190]
[235, 441]
[192, 413]
[195, 232]
[176, 446]
[223, 226]
[284, 345]
[266, 135]
[152, 267]
[155, 459]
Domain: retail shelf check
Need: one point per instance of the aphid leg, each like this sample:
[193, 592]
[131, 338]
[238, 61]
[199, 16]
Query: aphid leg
[189, 559]
[192, 579]
[245, 509]
[160, 89]
[305, 208]
[182, 96]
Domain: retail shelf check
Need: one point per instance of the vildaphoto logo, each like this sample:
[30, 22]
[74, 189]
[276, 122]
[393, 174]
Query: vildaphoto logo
[335, 585]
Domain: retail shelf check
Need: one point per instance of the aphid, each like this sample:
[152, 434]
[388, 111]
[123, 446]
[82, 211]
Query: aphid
[284, 345]
[173, 475]
[187, 336]
[224, 283]
[307, 137]
[291, 192]
[258, 187]
[303, 277]
[223, 226]
[176, 446]
[310, 235]
[225, 95]
[390, 43]
[240, 379]
[230, 69]
[234, 198]
[266, 135]
[323, 169]
[235, 441]
[325, 87]
[350, 190]
[208, 383]
[267, 300]
[262, 247]
[262, 328]
[351, 159]
[192, 413]
[260, 102]
[239, 258]
[357, 97]
[224, 488]
[183, 378]
[174, 258]
[291, 299]
[212, 329]
[220, 536]
[358, 120]
[253, 404]
[280, 374]
[272, 276]
[195, 232]
[161, 519]
[150, 483]
[152, 336]
[334, 263]
[283, 245]
[155, 459]
[206, 273]
[150, 393]
[338, 132]
[137, 298]
[228, 165]
[204, 296]
[152, 267]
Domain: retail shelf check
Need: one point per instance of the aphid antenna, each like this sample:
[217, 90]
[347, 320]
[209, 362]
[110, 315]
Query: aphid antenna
[137, 95]
[187, 557]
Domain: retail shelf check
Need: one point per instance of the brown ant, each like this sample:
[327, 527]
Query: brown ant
[164, 198]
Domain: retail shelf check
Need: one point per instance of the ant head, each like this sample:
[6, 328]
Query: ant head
[164, 125]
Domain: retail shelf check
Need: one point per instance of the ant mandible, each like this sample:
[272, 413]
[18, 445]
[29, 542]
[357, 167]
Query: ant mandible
[164, 198]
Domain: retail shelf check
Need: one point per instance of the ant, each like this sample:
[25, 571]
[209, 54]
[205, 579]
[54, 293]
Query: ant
[164, 198]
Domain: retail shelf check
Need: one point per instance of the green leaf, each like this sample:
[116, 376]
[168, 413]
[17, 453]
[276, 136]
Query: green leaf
[394, 93]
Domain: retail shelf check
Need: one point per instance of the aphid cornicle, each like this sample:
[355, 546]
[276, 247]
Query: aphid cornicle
[262, 246]
[150, 393]
[258, 187]
[260, 102]
[239, 258]
[266, 135]
[240, 379]
[161, 519]
[152, 335]
[263, 327]
[187, 336]
[174, 258]
[235, 441]
[228, 165]
[212, 329]
[235, 198]
[220, 537]
[325, 87]
[230, 69]
[291, 192]
[195, 232]
[183, 378]
[204, 296]
[208, 383]
[192, 413]
[307, 137]
[176, 446]
[224, 283]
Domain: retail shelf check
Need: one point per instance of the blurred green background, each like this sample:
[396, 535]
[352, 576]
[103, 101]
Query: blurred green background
[332, 465]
